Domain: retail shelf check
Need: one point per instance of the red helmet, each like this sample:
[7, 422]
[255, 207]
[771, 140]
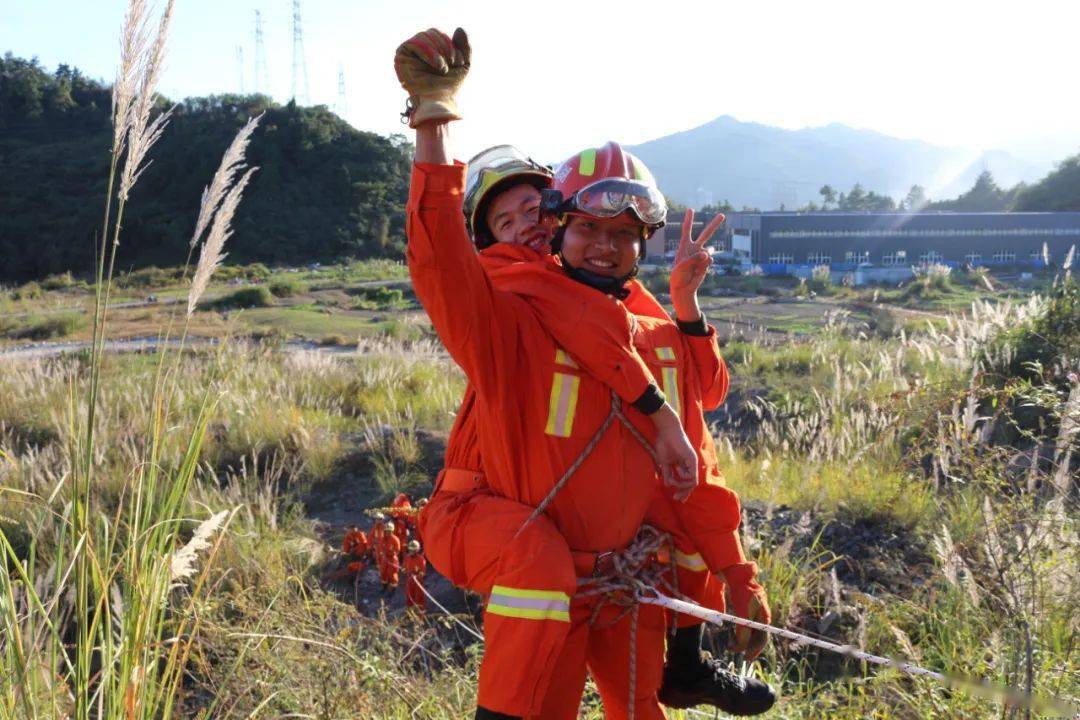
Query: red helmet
[605, 182]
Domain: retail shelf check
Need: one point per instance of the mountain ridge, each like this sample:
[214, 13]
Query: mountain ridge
[753, 164]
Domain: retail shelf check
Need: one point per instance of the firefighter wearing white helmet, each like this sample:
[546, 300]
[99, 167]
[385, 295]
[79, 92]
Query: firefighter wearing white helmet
[502, 198]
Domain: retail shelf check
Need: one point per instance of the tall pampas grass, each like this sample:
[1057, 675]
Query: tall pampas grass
[182, 562]
[219, 203]
[143, 132]
[92, 625]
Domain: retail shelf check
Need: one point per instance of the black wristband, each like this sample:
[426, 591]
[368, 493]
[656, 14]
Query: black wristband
[697, 328]
[650, 401]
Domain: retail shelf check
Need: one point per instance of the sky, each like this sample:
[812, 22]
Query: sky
[976, 75]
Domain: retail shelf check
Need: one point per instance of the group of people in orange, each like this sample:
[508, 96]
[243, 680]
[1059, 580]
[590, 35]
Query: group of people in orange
[394, 546]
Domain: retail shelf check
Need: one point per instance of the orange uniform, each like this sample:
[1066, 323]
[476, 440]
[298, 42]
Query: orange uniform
[415, 566]
[401, 530]
[404, 517]
[356, 545]
[388, 554]
[533, 411]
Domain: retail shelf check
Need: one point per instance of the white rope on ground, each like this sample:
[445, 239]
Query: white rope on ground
[449, 614]
[1012, 696]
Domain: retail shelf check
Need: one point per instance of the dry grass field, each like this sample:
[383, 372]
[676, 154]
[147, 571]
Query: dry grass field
[170, 517]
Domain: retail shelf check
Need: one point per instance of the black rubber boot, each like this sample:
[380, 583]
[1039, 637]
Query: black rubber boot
[485, 714]
[693, 677]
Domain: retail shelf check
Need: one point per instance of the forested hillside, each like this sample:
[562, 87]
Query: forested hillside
[324, 191]
[1060, 190]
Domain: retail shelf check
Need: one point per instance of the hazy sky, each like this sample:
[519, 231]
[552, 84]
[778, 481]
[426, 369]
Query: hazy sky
[979, 75]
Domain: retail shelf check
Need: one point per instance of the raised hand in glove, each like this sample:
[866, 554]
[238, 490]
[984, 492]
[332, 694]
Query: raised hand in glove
[431, 68]
[747, 600]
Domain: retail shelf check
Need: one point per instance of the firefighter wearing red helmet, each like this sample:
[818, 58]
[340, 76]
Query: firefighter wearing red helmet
[604, 184]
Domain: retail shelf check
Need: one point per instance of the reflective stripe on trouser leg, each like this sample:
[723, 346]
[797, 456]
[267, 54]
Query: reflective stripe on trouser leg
[529, 604]
[527, 616]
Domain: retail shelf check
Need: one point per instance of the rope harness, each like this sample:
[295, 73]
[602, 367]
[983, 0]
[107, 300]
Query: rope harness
[622, 577]
[614, 414]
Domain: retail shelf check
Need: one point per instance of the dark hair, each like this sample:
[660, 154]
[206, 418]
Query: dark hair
[482, 235]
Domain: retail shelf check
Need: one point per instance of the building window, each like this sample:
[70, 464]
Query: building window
[895, 258]
[1005, 257]
[781, 259]
[856, 258]
[671, 244]
[973, 258]
[1035, 256]
[930, 257]
[819, 259]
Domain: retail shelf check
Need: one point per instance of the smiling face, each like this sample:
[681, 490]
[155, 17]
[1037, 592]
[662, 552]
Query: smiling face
[513, 216]
[605, 246]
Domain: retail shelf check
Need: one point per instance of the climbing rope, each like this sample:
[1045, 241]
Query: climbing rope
[449, 614]
[615, 413]
[1013, 696]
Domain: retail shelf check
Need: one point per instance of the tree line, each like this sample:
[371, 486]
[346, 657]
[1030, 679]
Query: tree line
[324, 191]
[1058, 191]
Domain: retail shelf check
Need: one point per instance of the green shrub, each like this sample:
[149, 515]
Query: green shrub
[60, 282]
[151, 276]
[1053, 338]
[882, 322]
[252, 273]
[286, 288]
[41, 327]
[378, 298]
[29, 291]
[249, 297]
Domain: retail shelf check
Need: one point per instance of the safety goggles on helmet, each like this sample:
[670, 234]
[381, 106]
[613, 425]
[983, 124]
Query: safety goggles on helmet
[611, 197]
[492, 166]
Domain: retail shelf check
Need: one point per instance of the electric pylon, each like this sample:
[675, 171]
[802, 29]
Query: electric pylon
[342, 108]
[299, 64]
[262, 79]
[240, 66]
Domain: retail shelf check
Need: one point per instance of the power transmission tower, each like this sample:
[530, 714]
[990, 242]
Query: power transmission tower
[240, 65]
[342, 108]
[262, 79]
[299, 64]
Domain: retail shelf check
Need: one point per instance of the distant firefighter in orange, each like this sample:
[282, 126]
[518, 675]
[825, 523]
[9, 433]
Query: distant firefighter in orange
[415, 566]
[356, 546]
[387, 555]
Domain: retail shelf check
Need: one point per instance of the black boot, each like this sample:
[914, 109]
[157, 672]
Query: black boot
[485, 714]
[693, 677]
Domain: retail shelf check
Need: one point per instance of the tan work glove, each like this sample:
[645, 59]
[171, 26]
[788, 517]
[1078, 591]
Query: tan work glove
[747, 600]
[431, 68]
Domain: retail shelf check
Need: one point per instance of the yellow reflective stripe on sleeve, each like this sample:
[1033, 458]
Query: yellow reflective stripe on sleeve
[562, 358]
[671, 388]
[665, 353]
[563, 404]
[690, 562]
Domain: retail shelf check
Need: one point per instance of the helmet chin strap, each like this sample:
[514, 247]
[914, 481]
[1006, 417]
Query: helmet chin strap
[608, 285]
